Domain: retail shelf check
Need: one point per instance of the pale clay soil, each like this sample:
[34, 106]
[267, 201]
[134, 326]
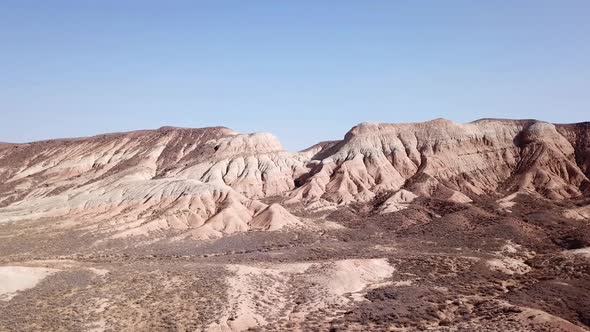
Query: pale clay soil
[18, 278]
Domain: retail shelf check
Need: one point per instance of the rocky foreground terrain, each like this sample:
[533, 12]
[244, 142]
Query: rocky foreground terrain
[433, 226]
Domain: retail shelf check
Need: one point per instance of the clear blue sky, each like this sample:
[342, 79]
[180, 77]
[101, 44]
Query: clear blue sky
[304, 70]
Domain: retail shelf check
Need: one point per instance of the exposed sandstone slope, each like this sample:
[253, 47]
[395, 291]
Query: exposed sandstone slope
[579, 136]
[253, 164]
[398, 201]
[207, 182]
[451, 161]
[203, 181]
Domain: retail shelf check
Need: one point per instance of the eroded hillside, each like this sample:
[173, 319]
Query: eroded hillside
[203, 183]
[433, 226]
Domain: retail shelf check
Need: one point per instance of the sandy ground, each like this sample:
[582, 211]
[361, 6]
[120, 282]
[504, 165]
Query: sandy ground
[255, 292]
[434, 266]
[18, 278]
[582, 251]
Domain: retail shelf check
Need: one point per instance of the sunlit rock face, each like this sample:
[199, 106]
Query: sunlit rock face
[451, 161]
[205, 183]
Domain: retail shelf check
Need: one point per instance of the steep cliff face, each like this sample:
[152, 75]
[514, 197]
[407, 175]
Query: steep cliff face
[450, 161]
[547, 164]
[205, 183]
[579, 136]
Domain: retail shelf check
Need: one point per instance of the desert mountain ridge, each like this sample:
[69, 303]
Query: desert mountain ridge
[207, 182]
[433, 226]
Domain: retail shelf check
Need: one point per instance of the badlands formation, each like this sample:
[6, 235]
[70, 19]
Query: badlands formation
[424, 226]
